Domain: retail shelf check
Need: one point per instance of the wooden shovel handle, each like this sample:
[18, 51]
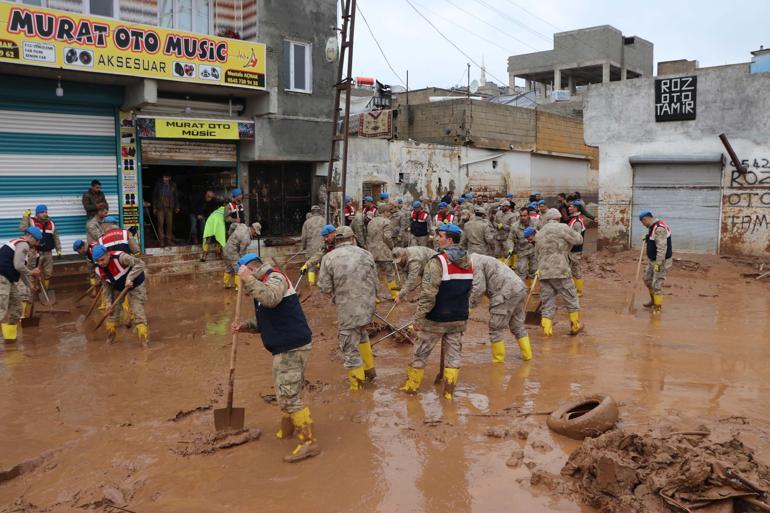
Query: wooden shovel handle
[115, 304]
[93, 303]
[234, 351]
[91, 288]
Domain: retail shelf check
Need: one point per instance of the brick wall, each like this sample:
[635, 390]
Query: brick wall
[502, 127]
[562, 134]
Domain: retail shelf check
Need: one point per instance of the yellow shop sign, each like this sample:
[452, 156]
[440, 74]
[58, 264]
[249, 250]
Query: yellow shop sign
[56, 39]
[195, 129]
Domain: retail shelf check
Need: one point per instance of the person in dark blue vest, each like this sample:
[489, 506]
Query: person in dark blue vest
[659, 252]
[442, 309]
[286, 334]
[13, 268]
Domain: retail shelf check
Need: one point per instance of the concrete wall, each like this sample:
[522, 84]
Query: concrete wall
[619, 119]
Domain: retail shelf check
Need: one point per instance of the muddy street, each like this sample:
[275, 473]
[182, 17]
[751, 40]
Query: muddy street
[96, 425]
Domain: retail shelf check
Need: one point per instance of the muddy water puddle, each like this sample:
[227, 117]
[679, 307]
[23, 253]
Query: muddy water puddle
[110, 413]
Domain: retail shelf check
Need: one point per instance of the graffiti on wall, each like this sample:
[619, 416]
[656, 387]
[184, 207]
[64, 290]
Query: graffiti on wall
[747, 199]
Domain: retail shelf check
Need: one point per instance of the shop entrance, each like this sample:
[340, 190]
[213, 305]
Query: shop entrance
[281, 195]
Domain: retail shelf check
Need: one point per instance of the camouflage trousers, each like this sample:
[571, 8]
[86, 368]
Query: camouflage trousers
[503, 247]
[453, 348]
[289, 377]
[575, 265]
[45, 262]
[508, 315]
[386, 267]
[526, 266]
[654, 280]
[10, 301]
[137, 297]
[231, 260]
[553, 287]
[423, 240]
[349, 340]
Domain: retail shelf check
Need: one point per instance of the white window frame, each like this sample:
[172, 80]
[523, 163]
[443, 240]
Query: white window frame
[308, 66]
[87, 8]
[175, 16]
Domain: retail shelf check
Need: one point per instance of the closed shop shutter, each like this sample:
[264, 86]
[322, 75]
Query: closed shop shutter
[552, 175]
[686, 196]
[49, 153]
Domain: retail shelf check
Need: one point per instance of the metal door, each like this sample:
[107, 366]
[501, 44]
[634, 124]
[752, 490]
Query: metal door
[686, 196]
[280, 196]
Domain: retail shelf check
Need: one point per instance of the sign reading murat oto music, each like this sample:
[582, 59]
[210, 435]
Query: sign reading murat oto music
[195, 129]
[56, 39]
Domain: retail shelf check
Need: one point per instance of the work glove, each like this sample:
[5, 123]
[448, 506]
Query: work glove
[499, 226]
[27, 213]
[58, 253]
[645, 237]
[303, 269]
[657, 268]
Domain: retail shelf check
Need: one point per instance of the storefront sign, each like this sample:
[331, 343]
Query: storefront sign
[675, 98]
[185, 128]
[57, 39]
[129, 173]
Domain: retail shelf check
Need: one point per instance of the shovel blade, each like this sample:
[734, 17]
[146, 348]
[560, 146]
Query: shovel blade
[532, 318]
[229, 418]
[30, 322]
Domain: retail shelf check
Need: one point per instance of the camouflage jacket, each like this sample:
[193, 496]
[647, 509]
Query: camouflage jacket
[397, 224]
[379, 239]
[311, 232]
[358, 225]
[552, 245]
[431, 280]
[416, 258]
[94, 229]
[503, 223]
[521, 246]
[238, 241]
[478, 236]
[348, 273]
[495, 279]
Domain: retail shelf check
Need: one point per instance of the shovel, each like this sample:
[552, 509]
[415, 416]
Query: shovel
[631, 309]
[83, 318]
[112, 307]
[30, 321]
[50, 299]
[90, 289]
[440, 375]
[532, 318]
[229, 417]
[393, 328]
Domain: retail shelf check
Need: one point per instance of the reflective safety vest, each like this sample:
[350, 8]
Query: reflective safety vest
[369, 213]
[47, 243]
[115, 273]
[284, 327]
[453, 293]
[419, 224]
[235, 209]
[652, 248]
[572, 220]
[447, 218]
[7, 254]
[115, 239]
[350, 213]
[90, 251]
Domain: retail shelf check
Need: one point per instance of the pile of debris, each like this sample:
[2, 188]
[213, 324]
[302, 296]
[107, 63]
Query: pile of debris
[668, 471]
[208, 443]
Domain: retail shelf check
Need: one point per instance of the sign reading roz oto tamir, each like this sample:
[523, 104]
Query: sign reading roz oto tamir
[45, 37]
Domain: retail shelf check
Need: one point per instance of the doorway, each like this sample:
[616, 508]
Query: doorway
[281, 195]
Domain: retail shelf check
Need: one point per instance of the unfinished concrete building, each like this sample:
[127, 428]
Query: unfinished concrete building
[581, 57]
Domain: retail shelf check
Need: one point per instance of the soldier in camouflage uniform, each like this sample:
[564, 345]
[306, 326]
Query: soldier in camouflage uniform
[349, 274]
[397, 224]
[328, 232]
[478, 235]
[235, 248]
[526, 261]
[412, 260]
[94, 228]
[442, 310]
[659, 258]
[577, 223]
[286, 334]
[507, 296]
[504, 220]
[379, 242]
[14, 272]
[311, 238]
[358, 225]
[552, 246]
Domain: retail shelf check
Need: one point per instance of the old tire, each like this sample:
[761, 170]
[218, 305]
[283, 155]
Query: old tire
[584, 416]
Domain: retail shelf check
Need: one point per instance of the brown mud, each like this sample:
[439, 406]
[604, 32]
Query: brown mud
[103, 425]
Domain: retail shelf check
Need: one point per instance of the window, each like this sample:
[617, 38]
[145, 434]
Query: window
[108, 8]
[187, 15]
[297, 66]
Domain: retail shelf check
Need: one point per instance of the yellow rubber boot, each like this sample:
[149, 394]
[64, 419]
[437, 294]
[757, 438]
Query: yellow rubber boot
[393, 288]
[226, 280]
[237, 280]
[103, 302]
[652, 299]
[450, 381]
[574, 321]
[498, 351]
[9, 332]
[92, 281]
[141, 330]
[413, 380]
[307, 447]
[525, 348]
[514, 261]
[657, 300]
[286, 430]
[579, 286]
[46, 283]
[365, 348]
[357, 378]
[112, 331]
[25, 308]
[547, 325]
[311, 278]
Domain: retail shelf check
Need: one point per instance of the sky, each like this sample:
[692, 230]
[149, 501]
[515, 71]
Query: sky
[711, 32]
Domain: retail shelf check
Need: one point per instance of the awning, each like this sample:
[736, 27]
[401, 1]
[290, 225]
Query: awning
[697, 158]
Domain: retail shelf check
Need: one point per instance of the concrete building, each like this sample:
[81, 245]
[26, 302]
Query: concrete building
[581, 57]
[661, 152]
[233, 93]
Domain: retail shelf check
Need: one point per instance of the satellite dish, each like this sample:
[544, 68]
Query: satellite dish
[474, 86]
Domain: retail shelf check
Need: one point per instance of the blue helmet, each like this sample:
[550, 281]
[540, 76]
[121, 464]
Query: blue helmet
[36, 232]
[399, 201]
[77, 244]
[236, 192]
[541, 202]
[347, 198]
[529, 231]
[461, 200]
[327, 229]
[644, 214]
[469, 195]
[416, 204]
[98, 251]
[384, 195]
[110, 220]
[40, 209]
[248, 257]
[536, 194]
[450, 228]
[443, 204]
[368, 198]
[509, 195]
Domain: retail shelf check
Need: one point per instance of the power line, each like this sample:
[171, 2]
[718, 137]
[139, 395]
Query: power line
[450, 41]
[358, 6]
[503, 32]
[535, 15]
[514, 20]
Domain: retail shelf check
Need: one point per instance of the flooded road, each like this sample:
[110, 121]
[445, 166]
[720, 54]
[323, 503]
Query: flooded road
[102, 424]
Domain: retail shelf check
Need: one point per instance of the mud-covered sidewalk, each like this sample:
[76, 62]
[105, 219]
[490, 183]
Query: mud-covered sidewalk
[87, 426]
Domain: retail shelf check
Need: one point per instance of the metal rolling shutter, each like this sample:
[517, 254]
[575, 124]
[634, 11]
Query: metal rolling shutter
[687, 196]
[49, 153]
